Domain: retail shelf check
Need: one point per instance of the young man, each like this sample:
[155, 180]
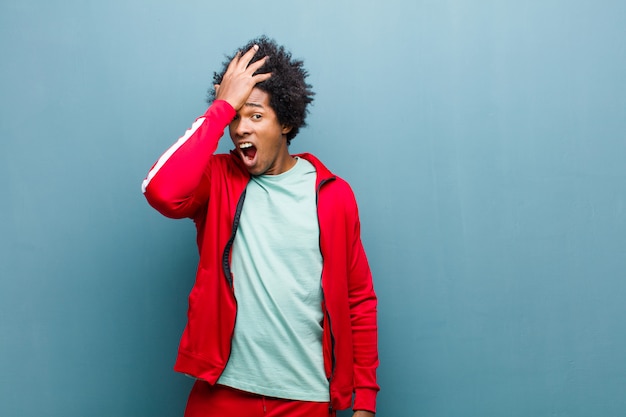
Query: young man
[282, 317]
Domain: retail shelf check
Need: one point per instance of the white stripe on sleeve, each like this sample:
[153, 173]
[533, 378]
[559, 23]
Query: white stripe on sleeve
[163, 159]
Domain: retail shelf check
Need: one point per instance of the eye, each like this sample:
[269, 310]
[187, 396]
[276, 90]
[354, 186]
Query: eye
[256, 116]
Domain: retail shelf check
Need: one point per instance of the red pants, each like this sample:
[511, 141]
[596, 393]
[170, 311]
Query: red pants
[220, 401]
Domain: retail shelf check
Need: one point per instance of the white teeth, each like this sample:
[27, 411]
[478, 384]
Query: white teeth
[245, 145]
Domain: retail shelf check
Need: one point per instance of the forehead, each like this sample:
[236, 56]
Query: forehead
[258, 97]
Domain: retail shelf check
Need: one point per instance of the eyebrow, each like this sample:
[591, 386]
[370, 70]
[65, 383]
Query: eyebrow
[260, 106]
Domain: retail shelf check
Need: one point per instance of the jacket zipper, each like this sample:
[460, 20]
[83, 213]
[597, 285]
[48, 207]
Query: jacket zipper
[226, 266]
[330, 326]
[229, 244]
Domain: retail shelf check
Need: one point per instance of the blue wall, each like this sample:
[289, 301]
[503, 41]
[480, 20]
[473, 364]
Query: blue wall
[486, 142]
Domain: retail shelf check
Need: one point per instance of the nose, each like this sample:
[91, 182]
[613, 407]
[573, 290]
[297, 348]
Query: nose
[240, 127]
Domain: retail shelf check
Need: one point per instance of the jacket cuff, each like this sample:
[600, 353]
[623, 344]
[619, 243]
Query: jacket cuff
[365, 399]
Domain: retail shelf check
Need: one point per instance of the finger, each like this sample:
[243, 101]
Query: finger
[251, 52]
[259, 78]
[216, 87]
[252, 68]
[233, 62]
[247, 57]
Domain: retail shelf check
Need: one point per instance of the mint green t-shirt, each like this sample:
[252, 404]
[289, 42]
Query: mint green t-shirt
[277, 267]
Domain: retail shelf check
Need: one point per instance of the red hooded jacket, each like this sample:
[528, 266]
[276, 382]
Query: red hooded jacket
[189, 180]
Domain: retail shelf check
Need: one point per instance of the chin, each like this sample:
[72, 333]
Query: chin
[254, 171]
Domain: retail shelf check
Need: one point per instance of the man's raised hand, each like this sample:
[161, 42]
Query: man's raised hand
[239, 79]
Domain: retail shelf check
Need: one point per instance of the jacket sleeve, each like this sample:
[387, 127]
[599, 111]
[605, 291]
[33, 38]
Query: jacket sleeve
[178, 183]
[363, 315]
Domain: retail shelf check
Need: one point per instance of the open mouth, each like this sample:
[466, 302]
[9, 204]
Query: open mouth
[248, 150]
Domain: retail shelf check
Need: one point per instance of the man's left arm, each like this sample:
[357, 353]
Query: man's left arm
[363, 315]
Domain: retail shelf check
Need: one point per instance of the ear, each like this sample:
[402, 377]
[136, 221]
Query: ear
[286, 129]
